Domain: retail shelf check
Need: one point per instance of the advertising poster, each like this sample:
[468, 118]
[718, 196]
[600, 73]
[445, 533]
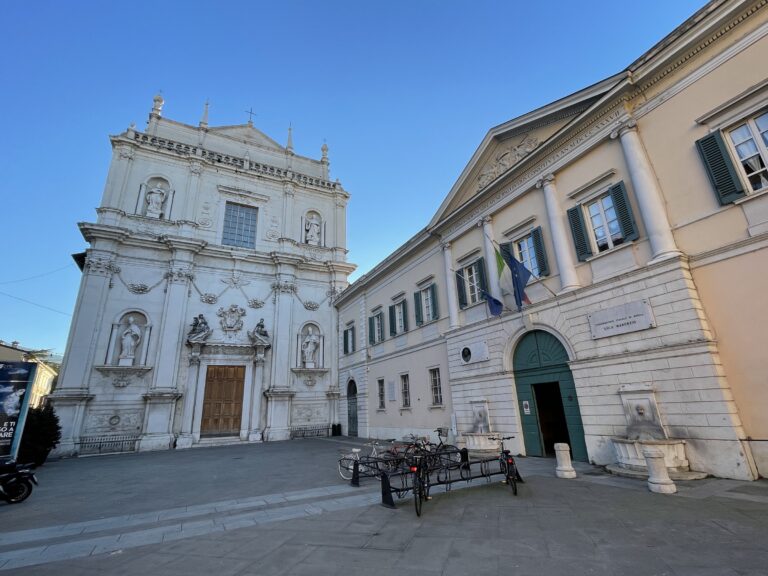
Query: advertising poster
[15, 385]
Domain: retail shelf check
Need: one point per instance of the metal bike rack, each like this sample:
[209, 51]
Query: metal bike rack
[400, 481]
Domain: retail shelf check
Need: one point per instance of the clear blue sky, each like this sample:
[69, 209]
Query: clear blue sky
[403, 91]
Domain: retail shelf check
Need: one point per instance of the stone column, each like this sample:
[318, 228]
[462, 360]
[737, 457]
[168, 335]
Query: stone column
[566, 265]
[254, 434]
[490, 258]
[114, 189]
[73, 393]
[647, 191]
[450, 286]
[333, 396]
[163, 393]
[289, 226]
[185, 439]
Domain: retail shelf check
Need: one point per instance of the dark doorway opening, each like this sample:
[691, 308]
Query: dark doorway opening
[549, 404]
[352, 408]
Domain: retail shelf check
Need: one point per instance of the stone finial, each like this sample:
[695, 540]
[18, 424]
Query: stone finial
[157, 105]
[204, 119]
[324, 151]
[289, 145]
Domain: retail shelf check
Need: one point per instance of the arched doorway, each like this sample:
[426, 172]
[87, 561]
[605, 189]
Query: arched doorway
[546, 395]
[351, 408]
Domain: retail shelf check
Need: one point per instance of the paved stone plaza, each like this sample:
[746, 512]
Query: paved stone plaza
[281, 508]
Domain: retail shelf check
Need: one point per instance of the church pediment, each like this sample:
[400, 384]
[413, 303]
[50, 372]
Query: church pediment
[247, 133]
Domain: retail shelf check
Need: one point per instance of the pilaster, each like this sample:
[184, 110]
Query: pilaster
[566, 265]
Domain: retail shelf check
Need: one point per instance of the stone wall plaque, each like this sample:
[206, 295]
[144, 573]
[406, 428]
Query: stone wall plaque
[630, 317]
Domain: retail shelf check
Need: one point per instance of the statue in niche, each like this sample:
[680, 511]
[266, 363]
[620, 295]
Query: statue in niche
[155, 198]
[309, 347]
[129, 340]
[312, 230]
[199, 330]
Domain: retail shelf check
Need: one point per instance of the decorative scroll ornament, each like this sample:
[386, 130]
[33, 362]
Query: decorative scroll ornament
[138, 288]
[209, 298]
[310, 305]
[180, 274]
[101, 266]
[284, 287]
[231, 318]
[235, 281]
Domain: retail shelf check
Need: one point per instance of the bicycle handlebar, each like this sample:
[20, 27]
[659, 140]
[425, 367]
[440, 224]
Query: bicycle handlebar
[500, 438]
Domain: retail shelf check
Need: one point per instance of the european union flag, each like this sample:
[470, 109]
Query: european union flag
[495, 306]
[520, 277]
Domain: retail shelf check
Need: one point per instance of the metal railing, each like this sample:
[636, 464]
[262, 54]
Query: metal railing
[107, 444]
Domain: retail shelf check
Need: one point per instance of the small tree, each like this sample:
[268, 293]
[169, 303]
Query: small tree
[42, 433]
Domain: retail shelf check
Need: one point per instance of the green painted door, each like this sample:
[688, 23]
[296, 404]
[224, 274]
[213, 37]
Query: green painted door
[540, 359]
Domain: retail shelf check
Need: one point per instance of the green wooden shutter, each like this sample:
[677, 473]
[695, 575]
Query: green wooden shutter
[417, 307]
[481, 277]
[435, 307]
[721, 171]
[506, 250]
[352, 342]
[580, 240]
[541, 253]
[392, 325]
[371, 331]
[405, 315]
[381, 321]
[624, 212]
[346, 347]
[461, 289]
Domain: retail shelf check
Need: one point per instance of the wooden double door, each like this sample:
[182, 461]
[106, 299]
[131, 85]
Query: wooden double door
[223, 401]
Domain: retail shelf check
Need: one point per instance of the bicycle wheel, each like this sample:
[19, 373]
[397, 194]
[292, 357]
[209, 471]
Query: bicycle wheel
[503, 468]
[418, 495]
[450, 455]
[512, 477]
[346, 467]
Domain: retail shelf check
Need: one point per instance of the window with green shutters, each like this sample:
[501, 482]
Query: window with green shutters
[425, 305]
[382, 397]
[398, 318]
[602, 223]
[376, 328]
[349, 340]
[471, 283]
[530, 252]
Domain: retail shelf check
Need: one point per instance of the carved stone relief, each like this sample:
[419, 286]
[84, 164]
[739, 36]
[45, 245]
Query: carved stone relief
[273, 232]
[111, 421]
[231, 319]
[205, 220]
[504, 159]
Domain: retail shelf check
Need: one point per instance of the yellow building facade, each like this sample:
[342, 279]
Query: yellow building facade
[641, 205]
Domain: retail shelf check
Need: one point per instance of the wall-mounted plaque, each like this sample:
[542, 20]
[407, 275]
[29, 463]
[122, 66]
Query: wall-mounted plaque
[630, 317]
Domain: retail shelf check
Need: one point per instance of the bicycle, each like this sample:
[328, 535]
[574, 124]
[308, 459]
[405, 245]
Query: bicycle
[420, 481]
[507, 464]
[368, 463]
[448, 454]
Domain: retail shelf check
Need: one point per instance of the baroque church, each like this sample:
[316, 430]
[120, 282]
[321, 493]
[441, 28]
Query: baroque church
[205, 309]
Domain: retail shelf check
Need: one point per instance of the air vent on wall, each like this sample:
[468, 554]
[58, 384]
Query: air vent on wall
[474, 352]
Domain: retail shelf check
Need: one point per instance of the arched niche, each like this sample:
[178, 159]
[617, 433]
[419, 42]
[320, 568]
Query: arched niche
[155, 198]
[310, 348]
[313, 228]
[129, 340]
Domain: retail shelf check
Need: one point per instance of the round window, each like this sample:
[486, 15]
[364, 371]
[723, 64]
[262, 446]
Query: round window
[466, 354]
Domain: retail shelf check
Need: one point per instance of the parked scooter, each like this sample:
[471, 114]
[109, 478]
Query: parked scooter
[15, 481]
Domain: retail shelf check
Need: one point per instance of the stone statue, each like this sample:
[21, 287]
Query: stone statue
[260, 330]
[309, 348]
[312, 230]
[129, 340]
[155, 199]
[200, 330]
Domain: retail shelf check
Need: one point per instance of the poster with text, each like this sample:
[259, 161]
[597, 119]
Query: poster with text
[15, 385]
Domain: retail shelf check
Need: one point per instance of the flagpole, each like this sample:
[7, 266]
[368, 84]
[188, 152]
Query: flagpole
[547, 288]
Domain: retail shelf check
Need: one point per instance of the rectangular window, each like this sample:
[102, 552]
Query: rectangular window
[382, 397]
[239, 226]
[437, 389]
[398, 318]
[425, 305]
[376, 328]
[470, 283]
[349, 340]
[472, 277]
[750, 142]
[405, 389]
[602, 223]
[526, 254]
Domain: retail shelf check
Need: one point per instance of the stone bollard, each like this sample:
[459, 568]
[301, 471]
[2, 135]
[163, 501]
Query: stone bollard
[564, 468]
[658, 476]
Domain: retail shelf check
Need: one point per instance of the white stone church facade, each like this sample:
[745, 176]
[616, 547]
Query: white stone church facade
[204, 314]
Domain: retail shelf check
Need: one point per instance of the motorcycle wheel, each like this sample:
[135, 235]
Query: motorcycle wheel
[18, 491]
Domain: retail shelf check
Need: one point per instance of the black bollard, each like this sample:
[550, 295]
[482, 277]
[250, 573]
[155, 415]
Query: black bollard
[355, 474]
[386, 491]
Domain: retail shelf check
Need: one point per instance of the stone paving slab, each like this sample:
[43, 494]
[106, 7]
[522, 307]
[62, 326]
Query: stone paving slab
[595, 524]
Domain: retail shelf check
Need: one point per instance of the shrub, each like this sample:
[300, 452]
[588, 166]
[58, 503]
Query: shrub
[41, 435]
